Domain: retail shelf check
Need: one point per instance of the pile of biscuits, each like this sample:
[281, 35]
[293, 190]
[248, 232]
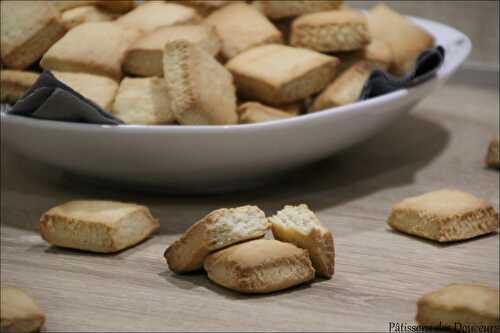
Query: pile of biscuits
[195, 62]
[230, 245]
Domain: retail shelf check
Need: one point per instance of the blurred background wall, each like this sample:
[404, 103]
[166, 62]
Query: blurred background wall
[477, 19]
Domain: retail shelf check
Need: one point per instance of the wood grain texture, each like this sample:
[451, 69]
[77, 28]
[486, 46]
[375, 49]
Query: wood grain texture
[379, 273]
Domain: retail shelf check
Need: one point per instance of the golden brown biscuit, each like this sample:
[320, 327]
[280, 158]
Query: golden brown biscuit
[460, 307]
[406, 39]
[14, 83]
[19, 312]
[97, 226]
[345, 89]
[205, 7]
[28, 29]
[493, 157]
[76, 16]
[152, 15]
[254, 112]
[332, 31]
[143, 101]
[99, 89]
[84, 50]
[300, 226]
[284, 8]
[278, 74]
[220, 228]
[242, 27]
[145, 56]
[259, 266]
[377, 53]
[444, 216]
[201, 90]
[63, 5]
[117, 6]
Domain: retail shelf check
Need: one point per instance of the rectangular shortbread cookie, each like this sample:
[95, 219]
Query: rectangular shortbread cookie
[460, 307]
[201, 90]
[152, 15]
[19, 312]
[83, 49]
[332, 31]
[242, 27]
[144, 57]
[300, 226]
[218, 229]
[377, 53]
[277, 9]
[99, 89]
[277, 74]
[97, 226]
[143, 101]
[28, 29]
[345, 89]
[260, 266]
[444, 216]
[406, 39]
[253, 112]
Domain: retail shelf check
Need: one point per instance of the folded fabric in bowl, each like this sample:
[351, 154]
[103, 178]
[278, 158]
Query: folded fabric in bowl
[50, 99]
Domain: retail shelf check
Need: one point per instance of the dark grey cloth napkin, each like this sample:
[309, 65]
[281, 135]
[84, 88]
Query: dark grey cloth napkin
[51, 99]
[426, 66]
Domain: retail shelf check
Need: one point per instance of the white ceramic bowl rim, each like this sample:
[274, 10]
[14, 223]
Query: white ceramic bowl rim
[452, 61]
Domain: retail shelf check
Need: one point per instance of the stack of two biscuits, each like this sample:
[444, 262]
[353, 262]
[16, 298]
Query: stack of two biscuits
[229, 245]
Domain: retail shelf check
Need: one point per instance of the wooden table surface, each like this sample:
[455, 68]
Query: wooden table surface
[379, 273]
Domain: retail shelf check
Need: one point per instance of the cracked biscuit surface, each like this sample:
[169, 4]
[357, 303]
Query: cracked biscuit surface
[260, 266]
[444, 216]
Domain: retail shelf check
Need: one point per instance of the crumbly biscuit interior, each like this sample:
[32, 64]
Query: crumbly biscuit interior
[237, 224]
[296, 217]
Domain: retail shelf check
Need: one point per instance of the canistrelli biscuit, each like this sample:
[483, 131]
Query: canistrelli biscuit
[97, 226]
[242, 27]
[493, 156]
[28, 29]
[253, 112]
[76, 16]
[278, 74]
[444, 216]
[145, 56]
[460, 307]
[345, 89]
[19, 312]
[143, 101]
[83, 49]
[200, 89]
[332, 31]
[220, 228]
[283, 8]
[406, 39]
[14, 83]
[300, 226]
[155, 14]
[205, 7]
[377, 53]
[259, 266]
[99, 89]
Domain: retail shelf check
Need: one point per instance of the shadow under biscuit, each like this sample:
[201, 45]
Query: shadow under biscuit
[199, 279]
[441, 244]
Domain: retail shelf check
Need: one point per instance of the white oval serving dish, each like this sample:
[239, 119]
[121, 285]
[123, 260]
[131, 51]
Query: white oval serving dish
[193, 159]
